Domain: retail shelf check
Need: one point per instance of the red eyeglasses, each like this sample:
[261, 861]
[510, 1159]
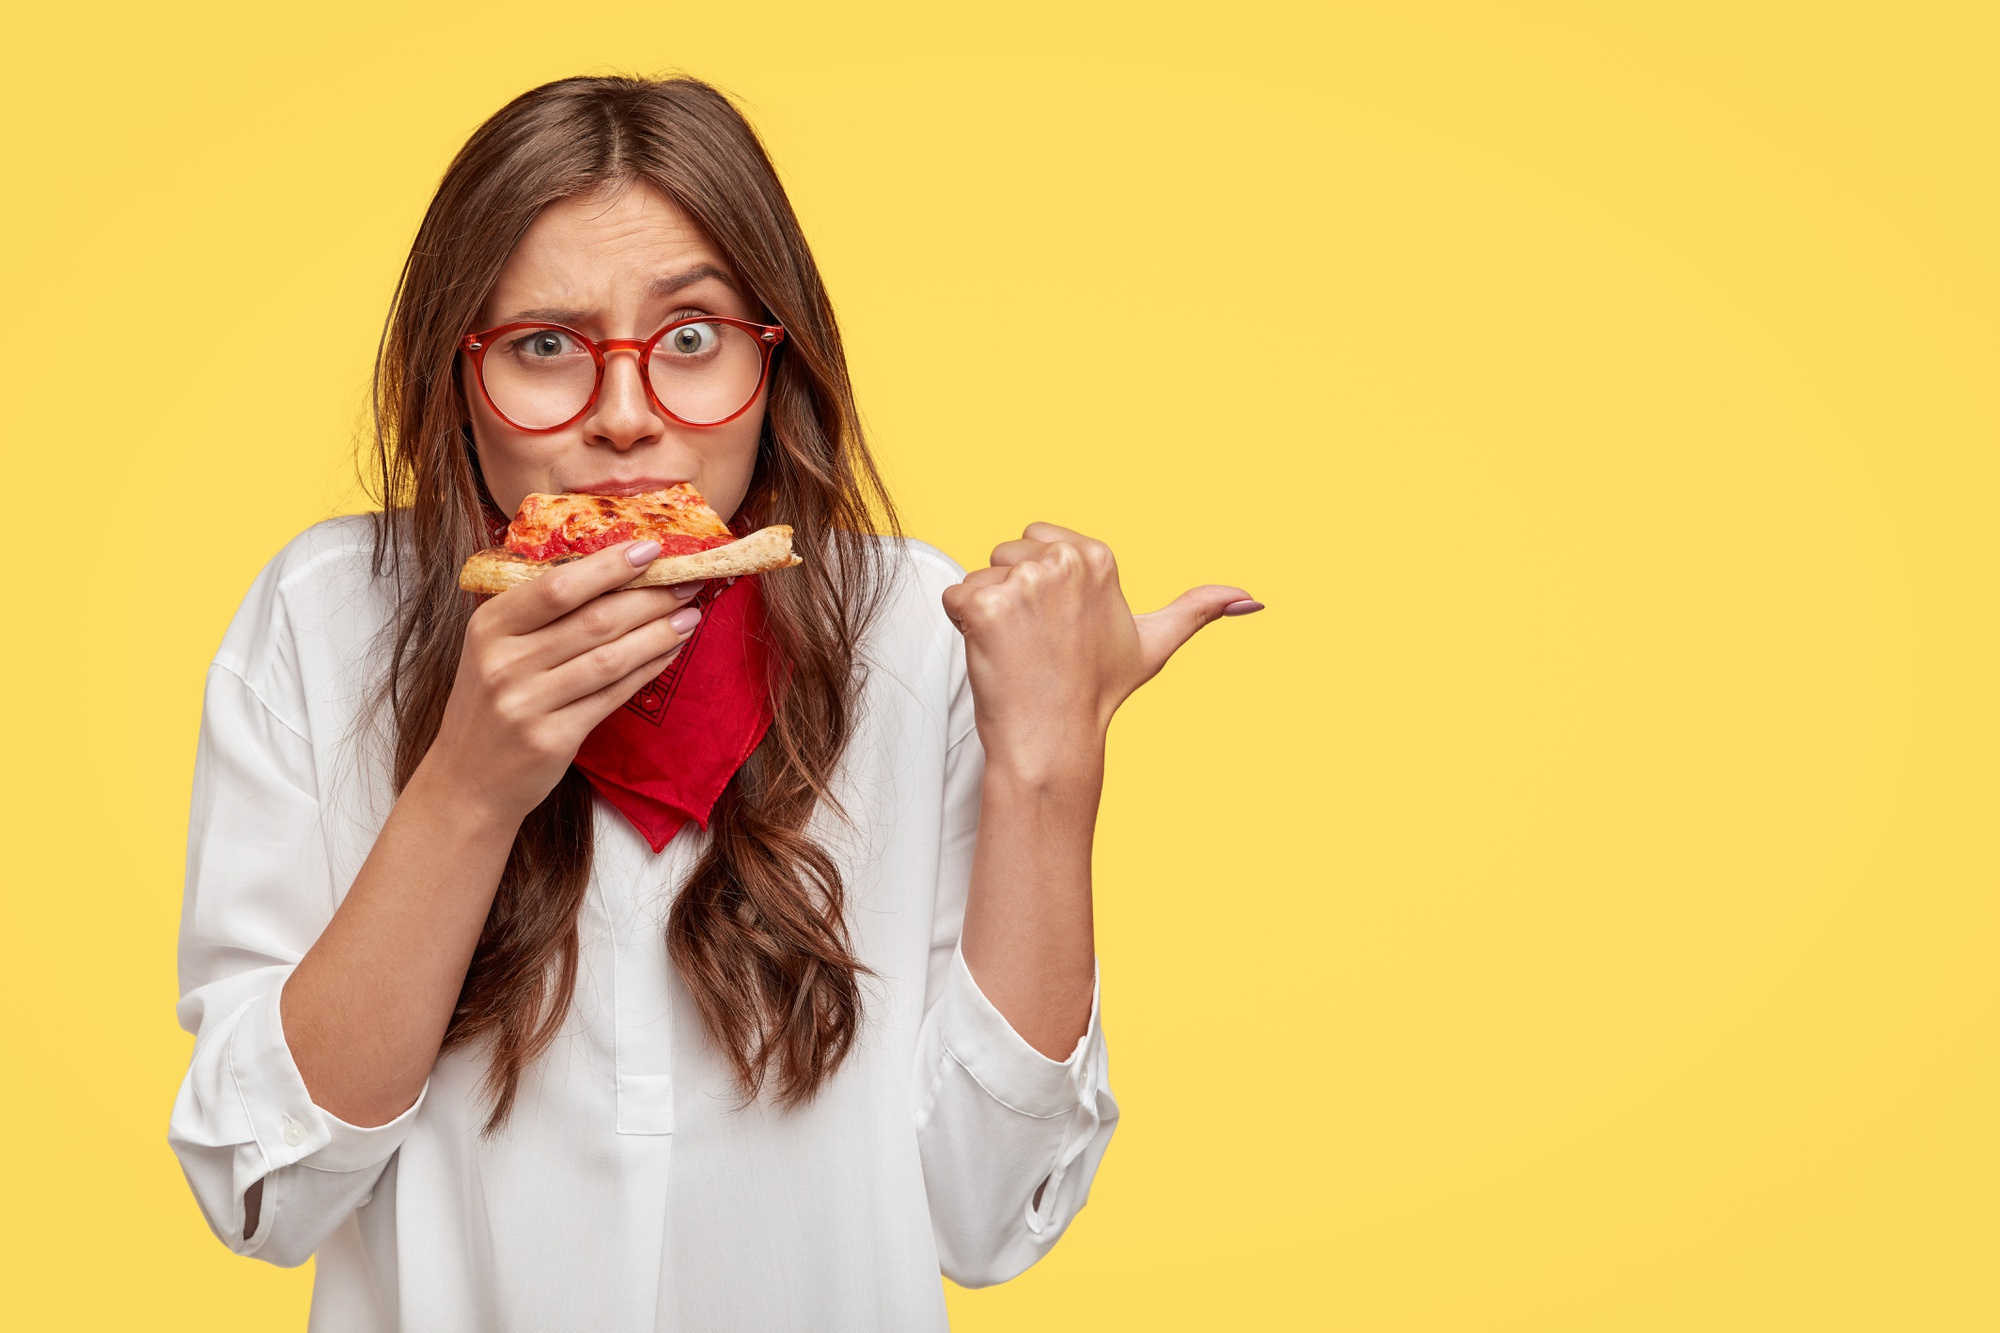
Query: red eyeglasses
[701, 371]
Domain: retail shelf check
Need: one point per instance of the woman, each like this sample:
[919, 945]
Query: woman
[464, 1032]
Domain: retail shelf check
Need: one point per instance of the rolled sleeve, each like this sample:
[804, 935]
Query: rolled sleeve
[287, 1126]
[1010, 1139]
[1001, 1061]
[244, 1116]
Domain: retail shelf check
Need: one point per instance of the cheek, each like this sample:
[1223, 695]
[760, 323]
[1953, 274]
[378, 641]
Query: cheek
[729, 461]
[513, 464]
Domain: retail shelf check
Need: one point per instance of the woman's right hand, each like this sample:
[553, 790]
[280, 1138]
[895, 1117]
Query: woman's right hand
[542, 665]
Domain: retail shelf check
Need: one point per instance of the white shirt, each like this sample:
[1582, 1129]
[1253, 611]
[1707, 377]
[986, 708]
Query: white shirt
[630, 1190]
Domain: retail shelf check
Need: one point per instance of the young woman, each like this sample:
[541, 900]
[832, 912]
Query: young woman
[468, 1034]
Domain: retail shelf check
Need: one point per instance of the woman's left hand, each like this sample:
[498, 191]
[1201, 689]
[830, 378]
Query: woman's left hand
[1052, 648]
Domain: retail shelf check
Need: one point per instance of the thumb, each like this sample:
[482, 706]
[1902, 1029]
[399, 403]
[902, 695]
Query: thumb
[1162, 632]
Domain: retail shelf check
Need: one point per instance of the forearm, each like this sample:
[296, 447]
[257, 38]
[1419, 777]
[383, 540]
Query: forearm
[365, 1011]
[1028, 938]
[1051, 650]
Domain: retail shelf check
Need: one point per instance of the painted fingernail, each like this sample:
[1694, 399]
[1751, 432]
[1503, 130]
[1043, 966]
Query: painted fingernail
[1242, 608]
[684, 619]
[642, 554]
[686, 589]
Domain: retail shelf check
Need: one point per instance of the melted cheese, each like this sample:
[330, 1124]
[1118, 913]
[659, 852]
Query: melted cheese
[549, 526]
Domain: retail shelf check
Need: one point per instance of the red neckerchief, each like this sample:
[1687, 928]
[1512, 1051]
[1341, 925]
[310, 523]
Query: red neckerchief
[664, 757]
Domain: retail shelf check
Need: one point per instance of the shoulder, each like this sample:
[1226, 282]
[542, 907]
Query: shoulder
[317, 604]
[915, 575]
[911, 649]
[918, 564]
[334, 552]
[923, 558]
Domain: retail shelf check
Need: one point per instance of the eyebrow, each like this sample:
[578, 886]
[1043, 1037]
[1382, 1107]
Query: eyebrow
[699, 273]
[658, 289]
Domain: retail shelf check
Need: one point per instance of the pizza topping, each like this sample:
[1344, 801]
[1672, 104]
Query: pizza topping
[551, 526]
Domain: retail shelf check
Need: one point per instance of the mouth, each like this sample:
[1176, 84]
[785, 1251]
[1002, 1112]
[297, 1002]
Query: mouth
[625, 486]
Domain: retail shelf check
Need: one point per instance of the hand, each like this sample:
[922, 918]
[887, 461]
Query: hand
[1052, 648]
[543, 664]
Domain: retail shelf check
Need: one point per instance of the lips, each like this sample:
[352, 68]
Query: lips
[626, 486]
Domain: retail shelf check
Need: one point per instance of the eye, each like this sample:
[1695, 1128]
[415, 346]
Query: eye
[541, 344]
[693, 339]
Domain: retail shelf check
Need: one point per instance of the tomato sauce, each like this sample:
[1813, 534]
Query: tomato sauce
[550, 526]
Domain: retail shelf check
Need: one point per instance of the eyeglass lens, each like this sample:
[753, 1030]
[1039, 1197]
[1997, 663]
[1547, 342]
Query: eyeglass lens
[700, 372]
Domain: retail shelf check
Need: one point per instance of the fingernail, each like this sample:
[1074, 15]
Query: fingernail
[1242, 608]
[686, 589]
[642, 554]
[685, 619]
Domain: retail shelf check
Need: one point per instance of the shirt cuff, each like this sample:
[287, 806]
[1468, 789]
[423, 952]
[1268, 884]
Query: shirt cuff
[289, 1128]
[1000, 1060]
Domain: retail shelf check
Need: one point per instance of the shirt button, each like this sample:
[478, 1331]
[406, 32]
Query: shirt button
[295, 1133]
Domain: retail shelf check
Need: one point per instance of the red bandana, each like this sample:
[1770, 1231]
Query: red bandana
[665, 756]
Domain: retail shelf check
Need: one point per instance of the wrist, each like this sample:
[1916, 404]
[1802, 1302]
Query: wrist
[457, 804]
[1071, 770]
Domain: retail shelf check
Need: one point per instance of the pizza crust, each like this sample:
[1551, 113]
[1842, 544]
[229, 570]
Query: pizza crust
[496, 569]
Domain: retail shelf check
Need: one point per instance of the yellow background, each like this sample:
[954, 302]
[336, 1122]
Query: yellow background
[1570, 906]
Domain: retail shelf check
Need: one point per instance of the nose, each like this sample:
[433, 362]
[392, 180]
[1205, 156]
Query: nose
[623, 418]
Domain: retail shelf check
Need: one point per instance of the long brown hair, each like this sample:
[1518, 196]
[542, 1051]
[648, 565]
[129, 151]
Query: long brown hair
[758, 931]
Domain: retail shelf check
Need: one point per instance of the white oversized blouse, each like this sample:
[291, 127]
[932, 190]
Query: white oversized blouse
[631, 1189]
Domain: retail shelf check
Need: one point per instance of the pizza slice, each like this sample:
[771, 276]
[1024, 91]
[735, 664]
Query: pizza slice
[695, 543]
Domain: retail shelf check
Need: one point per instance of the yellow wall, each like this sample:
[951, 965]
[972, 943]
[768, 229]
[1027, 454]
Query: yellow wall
[1571, 906]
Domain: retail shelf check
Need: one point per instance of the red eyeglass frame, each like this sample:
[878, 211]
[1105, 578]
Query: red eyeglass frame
[476, 345]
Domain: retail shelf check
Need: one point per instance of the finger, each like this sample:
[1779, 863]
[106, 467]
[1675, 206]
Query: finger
[970, 601]
[1035, 541]
[599, 620]
[594, 708]
[1065, 551]
[1162, 632]
[608, 663]
[1018, 551]
[958, 598]
[568, 586]
[1052, 532]
[957, 601]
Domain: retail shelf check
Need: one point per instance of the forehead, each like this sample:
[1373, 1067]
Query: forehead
[581, 247]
